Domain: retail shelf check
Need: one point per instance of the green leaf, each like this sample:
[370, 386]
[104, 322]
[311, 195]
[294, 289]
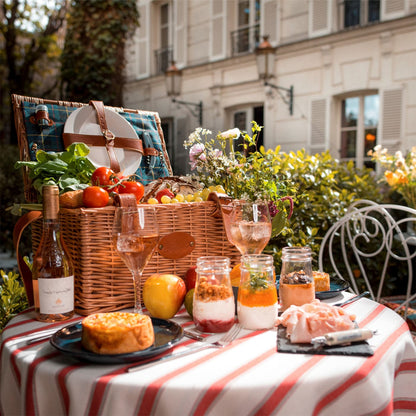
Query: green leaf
[278, 223]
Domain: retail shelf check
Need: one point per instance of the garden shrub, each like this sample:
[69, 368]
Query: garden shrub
[13, 297]
[325, 188]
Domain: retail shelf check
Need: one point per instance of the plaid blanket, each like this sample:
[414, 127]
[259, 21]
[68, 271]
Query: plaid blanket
[50, 138]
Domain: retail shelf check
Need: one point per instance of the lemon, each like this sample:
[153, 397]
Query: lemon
[165, 199]
[152, 201]
[204, 194]
[180, 197]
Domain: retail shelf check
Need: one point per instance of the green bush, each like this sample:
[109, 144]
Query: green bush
[13, 297]
[325, 188]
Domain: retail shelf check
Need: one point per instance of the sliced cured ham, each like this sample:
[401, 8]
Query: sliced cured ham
[313, 320]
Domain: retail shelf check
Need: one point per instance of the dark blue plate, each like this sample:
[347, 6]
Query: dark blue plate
[336, 284]
[68, 341]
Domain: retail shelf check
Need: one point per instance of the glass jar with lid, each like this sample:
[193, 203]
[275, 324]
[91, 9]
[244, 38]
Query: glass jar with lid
[296, 285]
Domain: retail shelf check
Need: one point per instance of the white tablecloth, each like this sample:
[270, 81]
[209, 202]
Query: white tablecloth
[249, 377]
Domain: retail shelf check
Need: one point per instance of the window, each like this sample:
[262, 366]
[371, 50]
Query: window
[242, 120]
[359, 122]
[246, 37]
[164, 54]
[359, 12]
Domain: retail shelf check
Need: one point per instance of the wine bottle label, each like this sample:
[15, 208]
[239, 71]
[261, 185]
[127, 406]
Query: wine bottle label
[56, 296]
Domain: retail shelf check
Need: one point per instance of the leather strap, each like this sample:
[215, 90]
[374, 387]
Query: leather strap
[24, 269]
[92, 140]
[108, 135]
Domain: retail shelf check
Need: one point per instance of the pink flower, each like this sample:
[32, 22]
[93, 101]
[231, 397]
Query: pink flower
[196, 154]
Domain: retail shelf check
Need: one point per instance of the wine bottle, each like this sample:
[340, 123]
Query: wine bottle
[53, 272]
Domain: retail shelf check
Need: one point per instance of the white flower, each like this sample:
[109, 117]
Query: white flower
[229, 134]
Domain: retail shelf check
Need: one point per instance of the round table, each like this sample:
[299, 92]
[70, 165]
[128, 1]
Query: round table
[248, 377]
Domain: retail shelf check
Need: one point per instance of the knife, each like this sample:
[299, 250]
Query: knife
[361, 295]
[344, 337]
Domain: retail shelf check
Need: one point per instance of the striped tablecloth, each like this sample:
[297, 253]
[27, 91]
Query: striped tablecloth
[249, 377]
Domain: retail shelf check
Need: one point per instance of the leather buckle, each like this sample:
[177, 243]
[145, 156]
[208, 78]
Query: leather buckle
[109, 136]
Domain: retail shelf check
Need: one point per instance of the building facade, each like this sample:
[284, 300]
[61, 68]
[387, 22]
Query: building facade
[351, 64]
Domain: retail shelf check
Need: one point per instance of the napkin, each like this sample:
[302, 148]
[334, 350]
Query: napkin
[354, 349]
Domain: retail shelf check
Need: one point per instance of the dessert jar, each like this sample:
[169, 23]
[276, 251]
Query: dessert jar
[213, 304]
[296, 285]
[257, 303]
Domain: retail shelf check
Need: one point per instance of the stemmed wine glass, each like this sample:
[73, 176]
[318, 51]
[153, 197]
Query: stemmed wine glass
[135, 236]
[250, 226]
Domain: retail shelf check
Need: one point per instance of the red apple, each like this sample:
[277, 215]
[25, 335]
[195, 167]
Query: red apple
[163, 295]
[190, 278]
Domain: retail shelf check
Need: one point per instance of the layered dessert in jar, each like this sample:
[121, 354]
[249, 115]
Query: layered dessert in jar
[213, 307]
[296, 288]
[257, 307]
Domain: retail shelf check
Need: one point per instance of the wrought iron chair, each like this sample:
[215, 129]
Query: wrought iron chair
[370, 247]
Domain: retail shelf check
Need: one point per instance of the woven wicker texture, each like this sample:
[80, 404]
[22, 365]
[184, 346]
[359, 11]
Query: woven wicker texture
[102, 281]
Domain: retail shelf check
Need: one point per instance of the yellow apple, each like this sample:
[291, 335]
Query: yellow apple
[163, 295]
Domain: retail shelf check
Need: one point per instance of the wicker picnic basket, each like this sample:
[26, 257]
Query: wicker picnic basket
[102, 281]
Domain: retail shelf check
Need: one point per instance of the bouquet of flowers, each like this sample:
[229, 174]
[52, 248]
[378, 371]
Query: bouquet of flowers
[400, 173]
[250, 173]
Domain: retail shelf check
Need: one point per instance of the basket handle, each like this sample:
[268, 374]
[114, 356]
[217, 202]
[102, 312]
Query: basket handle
[24, 269]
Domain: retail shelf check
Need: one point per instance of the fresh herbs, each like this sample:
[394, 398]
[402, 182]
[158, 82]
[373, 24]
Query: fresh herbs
[258, 281]
[70, 169]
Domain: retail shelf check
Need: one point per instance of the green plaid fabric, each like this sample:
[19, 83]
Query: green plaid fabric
[50, 138]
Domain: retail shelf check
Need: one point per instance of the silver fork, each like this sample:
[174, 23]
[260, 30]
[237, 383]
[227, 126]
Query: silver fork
[227, 339]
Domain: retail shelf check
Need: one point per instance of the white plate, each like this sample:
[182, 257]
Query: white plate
[84, 121]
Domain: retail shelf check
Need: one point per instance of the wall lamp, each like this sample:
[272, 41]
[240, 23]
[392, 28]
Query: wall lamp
[265, 54]
[173, 78]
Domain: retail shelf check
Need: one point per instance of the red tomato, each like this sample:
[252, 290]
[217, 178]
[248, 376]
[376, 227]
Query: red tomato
[103, 177]
[95, 197]
[163, 192]
[131, 187]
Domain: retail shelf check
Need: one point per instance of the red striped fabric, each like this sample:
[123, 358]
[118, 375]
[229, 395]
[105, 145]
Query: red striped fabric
[154, 391]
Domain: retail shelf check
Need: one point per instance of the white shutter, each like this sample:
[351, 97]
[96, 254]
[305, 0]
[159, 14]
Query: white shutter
[142, 42]
[269, 19]
[393, 9]
[320, 17]
[218, 30]
[131, 56]
[180, 18]
[391, 121]
[318, 128]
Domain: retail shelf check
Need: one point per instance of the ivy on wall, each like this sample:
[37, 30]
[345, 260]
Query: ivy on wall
[93, 58]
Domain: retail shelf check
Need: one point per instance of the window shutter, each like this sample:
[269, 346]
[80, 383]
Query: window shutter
[320, 16]
[318, 126]
[392, 119]
[218, 29]
[270, 20]
[141, 54]
[392, 9]
[180, 13]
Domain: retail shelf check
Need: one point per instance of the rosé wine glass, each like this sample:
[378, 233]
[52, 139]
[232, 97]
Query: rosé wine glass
[135, 236]
[250, 226]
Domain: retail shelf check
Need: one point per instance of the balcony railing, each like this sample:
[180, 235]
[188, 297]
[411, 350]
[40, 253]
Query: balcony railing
[163, 58]
[245, 39]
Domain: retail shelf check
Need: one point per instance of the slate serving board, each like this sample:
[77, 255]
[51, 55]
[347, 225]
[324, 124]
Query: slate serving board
[354, 349]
